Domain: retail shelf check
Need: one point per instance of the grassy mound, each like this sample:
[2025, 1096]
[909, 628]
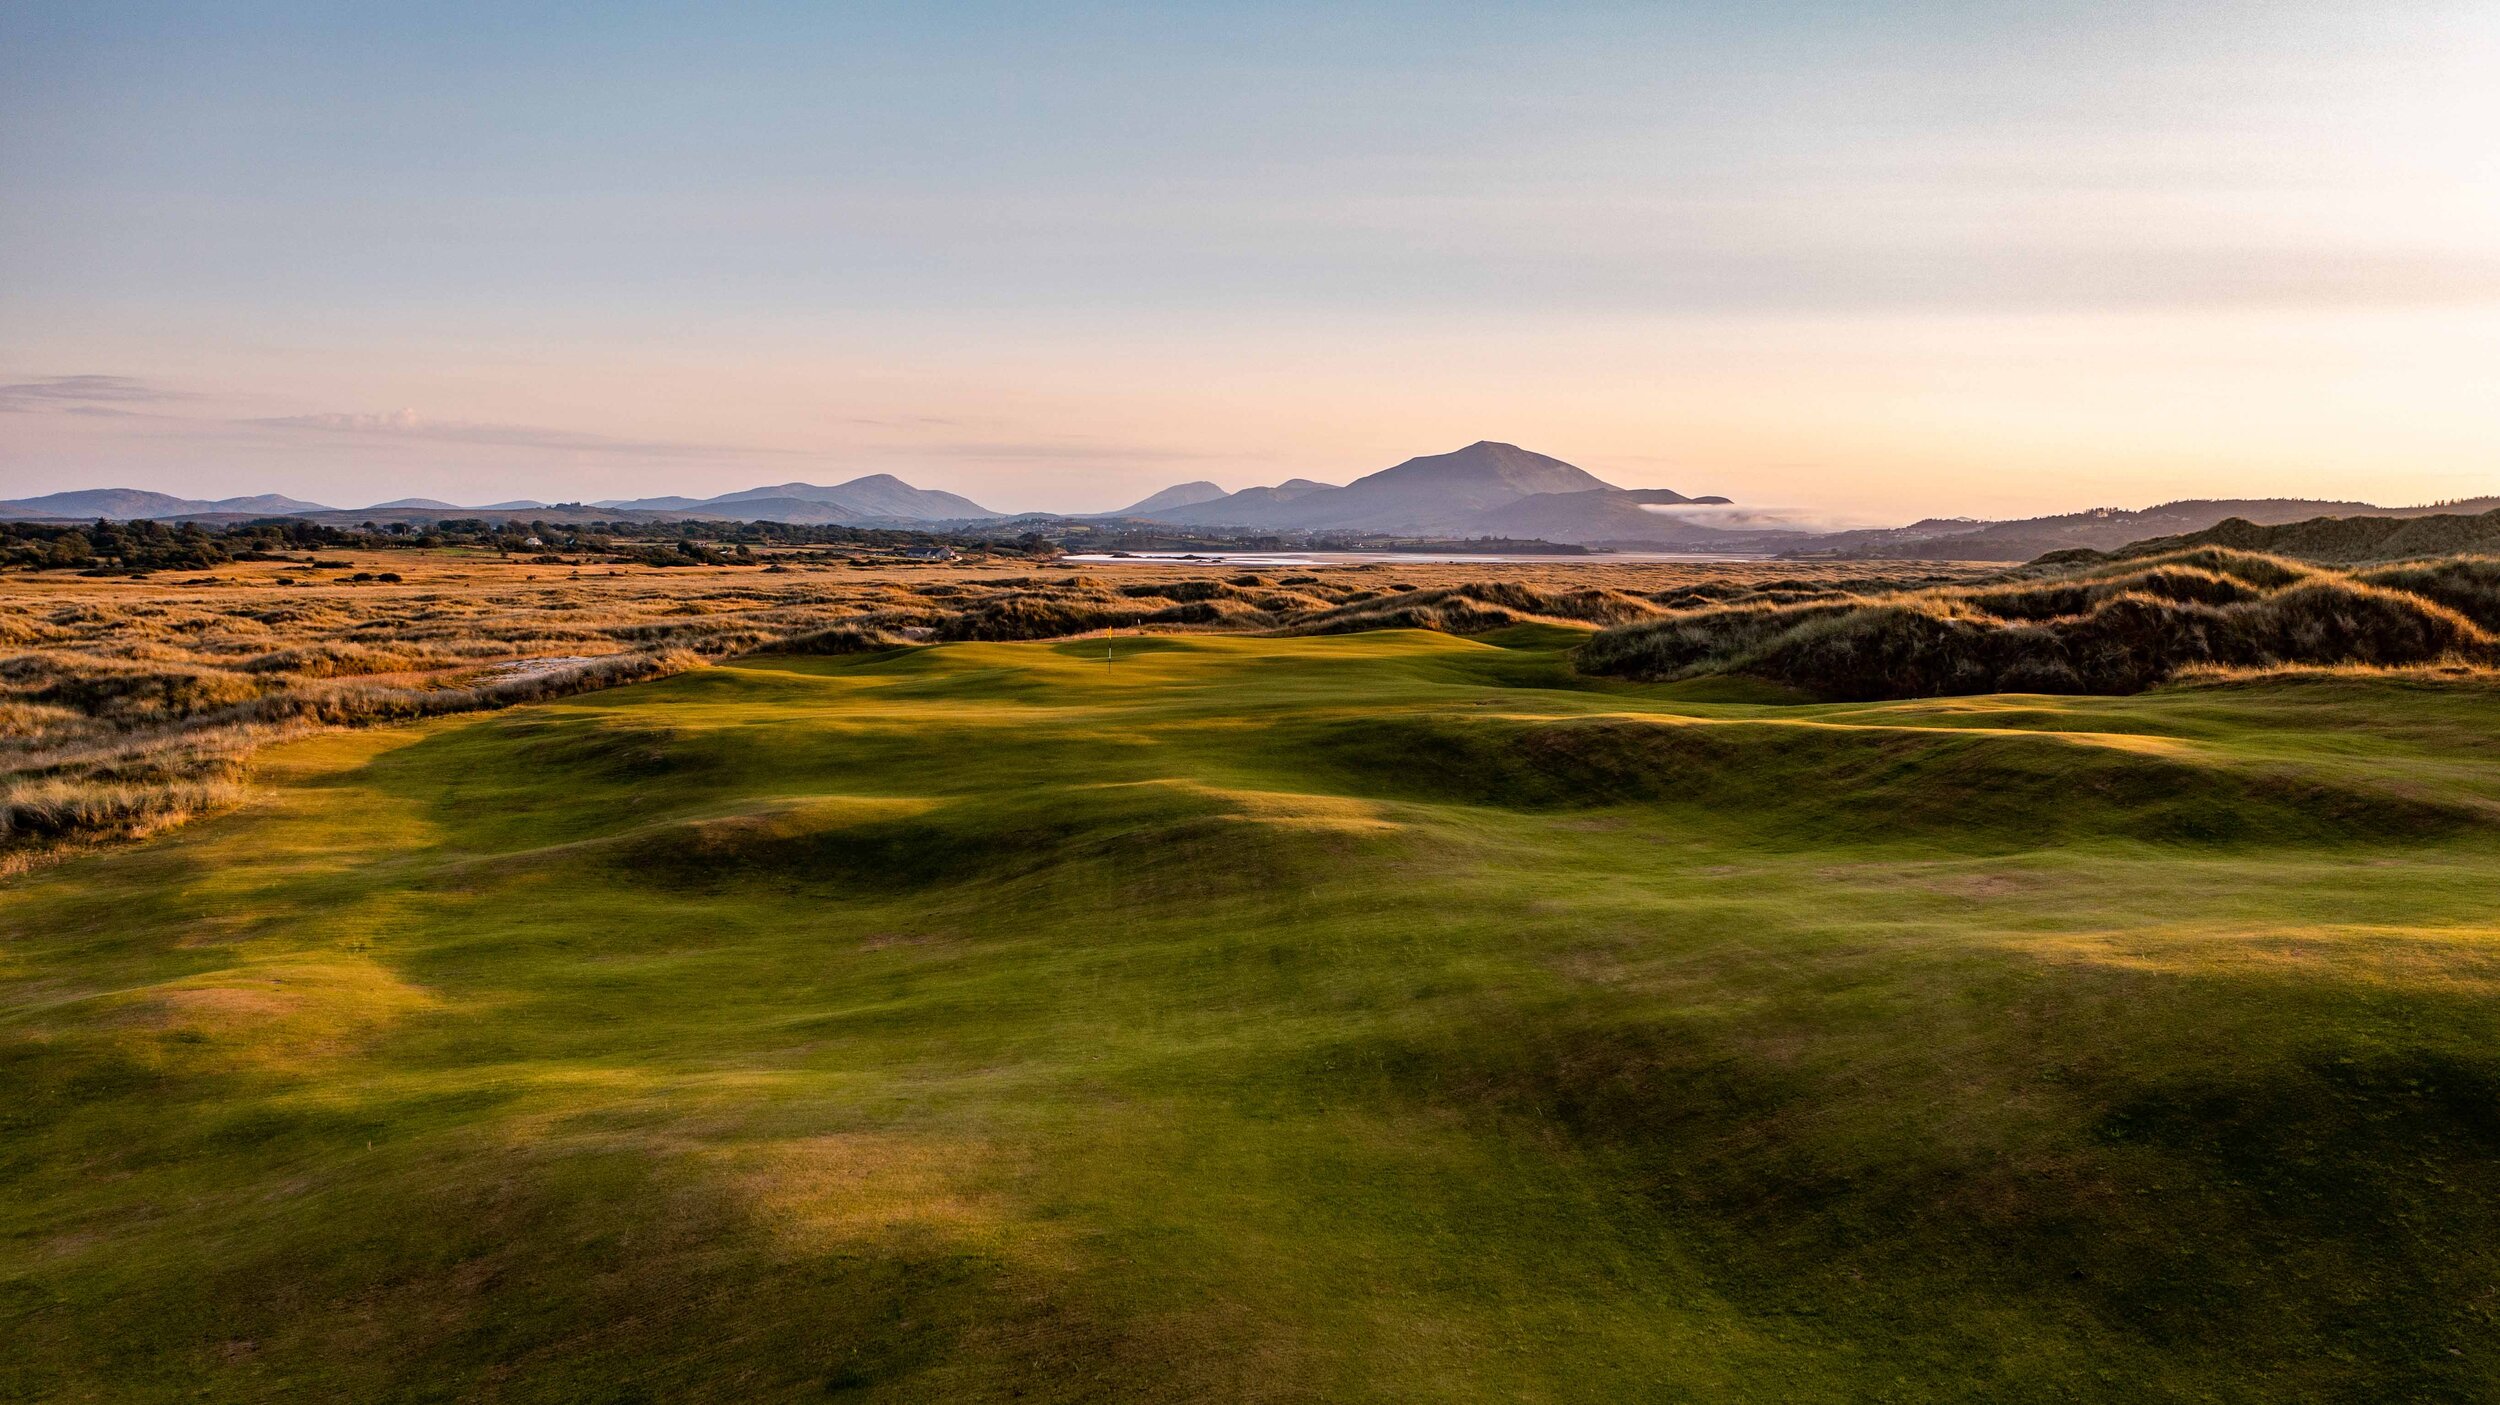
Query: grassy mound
[1180, 843]
[2469, 585]
[1792, 785]
[2345, 540]
[2100, 629]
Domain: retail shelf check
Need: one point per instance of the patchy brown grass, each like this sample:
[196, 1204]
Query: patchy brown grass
[130, 705]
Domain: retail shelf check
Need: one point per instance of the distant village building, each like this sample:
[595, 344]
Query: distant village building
[928, 553]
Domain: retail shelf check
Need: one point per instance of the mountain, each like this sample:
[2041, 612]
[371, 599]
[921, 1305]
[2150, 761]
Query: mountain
[877, 499]
[120, 504]
[1248, 505]
[273, 504]
[1431, 494]
[879, 495]
[137, 504]
[1178, 495]
[415, 505]
[1484, 490]
[1293, 488]
[805, 512]
[660, 504]
[1434, 493]
[2097, 529]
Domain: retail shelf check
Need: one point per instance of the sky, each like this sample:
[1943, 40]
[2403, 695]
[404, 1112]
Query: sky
[1861, 262]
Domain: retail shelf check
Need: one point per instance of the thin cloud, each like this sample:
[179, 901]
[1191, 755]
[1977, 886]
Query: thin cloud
[1742, 517]
[80, 394]
[1061, 450]
[910, 422]
[408, 424]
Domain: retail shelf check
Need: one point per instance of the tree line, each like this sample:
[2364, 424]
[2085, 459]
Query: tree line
[113, 548]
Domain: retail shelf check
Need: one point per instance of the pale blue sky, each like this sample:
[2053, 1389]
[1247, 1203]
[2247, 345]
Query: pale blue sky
[1880, 260]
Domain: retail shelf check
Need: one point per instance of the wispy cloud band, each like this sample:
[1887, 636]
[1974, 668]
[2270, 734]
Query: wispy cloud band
[85, 394]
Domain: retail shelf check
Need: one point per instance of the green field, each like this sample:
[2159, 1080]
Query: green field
[1378, 1017]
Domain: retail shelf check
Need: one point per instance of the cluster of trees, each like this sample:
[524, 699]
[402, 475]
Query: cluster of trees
[687, 543]
[138, 546]
[1142, 536]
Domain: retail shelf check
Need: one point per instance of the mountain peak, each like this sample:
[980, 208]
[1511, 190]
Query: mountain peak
[1178, 495]
[1490, 470]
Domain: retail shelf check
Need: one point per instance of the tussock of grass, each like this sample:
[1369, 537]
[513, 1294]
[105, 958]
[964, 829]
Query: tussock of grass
[126, 691]
[342, 658]
[61, 809]
[1038, 615]
[860, 638]
[1086, 608]
[1478, 607]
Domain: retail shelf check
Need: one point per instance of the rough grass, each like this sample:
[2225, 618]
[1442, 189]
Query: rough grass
[1389, 1016]
[1479, 606]
[110, 683]
[131, 670]
[2094, 628]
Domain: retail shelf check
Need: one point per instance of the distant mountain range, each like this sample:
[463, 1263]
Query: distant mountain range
[1487, 489]
[877, 498]
[134, 504]
[880, 499]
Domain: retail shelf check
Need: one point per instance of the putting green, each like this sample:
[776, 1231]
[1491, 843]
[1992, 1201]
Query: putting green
[1388, 1016]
